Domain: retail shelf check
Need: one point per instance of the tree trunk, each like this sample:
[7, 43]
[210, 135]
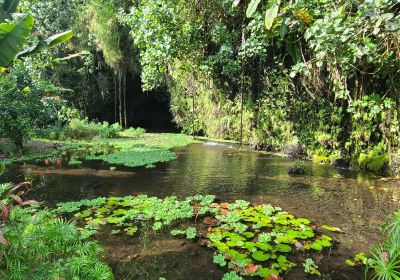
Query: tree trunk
[115, 98]
[124, 89]
[120, 96]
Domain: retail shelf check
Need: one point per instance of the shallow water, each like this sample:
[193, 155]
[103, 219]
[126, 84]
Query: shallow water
[355, 202]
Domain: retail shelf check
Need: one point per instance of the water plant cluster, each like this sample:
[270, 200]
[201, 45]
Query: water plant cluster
[259, 240]
[132, 148]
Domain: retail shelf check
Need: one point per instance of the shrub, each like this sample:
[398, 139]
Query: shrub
[385, 261]
[85, 129]
[44, 247]
[134, 132]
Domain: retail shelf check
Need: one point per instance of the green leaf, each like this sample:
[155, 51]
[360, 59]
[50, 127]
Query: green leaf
[131, 230]
[252, 8]
[350, 263]
[260, 256]
[283, 29]
[59, 38]
[316, 246]
[220, 260]
[284, 248]
[191, 232]
[13, 36]
[48, 43]
[331, 228]
[7, 8]
[293, 48]
[271, 14]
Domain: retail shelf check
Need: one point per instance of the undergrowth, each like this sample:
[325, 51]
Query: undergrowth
[42, 246]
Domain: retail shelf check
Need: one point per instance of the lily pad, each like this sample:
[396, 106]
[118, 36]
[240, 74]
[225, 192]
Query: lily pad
[260, 256]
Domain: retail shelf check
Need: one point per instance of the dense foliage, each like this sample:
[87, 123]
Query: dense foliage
[318, 73]
[42, 246]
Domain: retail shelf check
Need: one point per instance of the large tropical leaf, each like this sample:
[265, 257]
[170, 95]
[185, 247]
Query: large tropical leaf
[283, 29]
[271, 14]
[48, 43]
[7, 7]
[252, 8]
[294, 49]
[13, 35]
[20, 187]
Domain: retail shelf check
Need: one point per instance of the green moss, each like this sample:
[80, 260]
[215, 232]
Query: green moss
[374, 160]
[376, 163]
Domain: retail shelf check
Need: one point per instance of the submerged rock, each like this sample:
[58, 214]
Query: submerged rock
[295, 170]
[340, 162]
[295, 149]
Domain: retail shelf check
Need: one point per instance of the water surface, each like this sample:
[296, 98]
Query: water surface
[357, 203]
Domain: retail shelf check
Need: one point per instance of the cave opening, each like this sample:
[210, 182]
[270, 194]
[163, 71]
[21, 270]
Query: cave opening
[149, 110]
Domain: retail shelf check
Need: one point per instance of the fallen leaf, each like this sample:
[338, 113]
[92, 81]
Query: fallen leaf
[299, 246]
[329, 228]
[251, 268]
[224, 205]
[273, 276]
[224, 212]
[208, 221]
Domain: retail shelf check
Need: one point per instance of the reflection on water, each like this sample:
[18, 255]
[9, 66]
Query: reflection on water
[355, 202]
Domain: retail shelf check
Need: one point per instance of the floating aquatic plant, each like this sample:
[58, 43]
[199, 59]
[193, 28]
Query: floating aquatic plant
[310, 267]
[252, 240]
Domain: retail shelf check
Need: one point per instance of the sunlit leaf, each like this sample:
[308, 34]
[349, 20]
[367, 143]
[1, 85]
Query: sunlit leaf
[13, 36]
[271, 14]
[252, 8]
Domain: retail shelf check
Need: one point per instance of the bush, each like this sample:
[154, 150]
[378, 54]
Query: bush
[44, 247]
[134, 132]
[84, 129]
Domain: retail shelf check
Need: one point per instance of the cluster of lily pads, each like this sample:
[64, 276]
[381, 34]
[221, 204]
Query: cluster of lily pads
[128, 213]
[250, 240]
[256, 240]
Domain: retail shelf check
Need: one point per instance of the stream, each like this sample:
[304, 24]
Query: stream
[358, 203]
